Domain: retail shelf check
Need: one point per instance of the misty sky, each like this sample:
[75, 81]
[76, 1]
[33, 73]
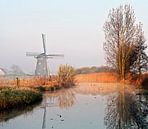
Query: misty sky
[72, 27]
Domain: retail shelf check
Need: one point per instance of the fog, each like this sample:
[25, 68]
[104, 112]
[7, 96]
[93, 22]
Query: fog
[72, 28]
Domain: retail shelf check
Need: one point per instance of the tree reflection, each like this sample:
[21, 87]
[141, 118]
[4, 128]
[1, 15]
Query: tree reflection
[126, 110]
[64, 98]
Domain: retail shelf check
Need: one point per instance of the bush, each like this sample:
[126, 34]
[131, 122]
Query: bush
[66, 75]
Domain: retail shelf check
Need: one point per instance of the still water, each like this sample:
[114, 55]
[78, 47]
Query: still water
[86, 106]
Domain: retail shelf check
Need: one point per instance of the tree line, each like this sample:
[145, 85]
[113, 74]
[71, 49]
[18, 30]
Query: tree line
[94, 69]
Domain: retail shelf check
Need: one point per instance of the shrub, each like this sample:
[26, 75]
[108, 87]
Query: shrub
[66, 75]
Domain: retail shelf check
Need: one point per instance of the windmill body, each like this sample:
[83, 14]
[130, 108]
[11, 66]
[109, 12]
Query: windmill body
[41, 66]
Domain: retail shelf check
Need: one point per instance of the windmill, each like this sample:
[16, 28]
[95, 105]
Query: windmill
[41, 66]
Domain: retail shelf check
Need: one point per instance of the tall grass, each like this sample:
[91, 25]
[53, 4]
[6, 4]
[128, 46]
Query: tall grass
[28, 82]
[66, 75]
[16, 97]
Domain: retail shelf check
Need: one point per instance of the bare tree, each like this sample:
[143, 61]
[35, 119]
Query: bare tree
[122, 35]
[139, 58]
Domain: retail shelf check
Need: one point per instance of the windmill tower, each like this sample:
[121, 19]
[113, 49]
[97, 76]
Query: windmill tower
[41, 66]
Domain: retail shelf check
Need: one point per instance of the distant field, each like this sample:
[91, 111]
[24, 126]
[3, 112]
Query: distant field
[103, 77]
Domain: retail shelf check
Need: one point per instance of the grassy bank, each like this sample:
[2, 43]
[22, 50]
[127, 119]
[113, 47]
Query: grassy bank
[17, 97]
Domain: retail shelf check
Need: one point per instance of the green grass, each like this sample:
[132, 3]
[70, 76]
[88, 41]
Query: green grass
[15, 97]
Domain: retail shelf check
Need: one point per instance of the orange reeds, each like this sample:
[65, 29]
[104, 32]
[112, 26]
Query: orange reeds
[28, 82]
[103, 77]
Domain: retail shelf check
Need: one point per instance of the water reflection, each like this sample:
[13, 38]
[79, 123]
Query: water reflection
[12, 113]
[126, 110]
[63, 98]
[66, 98]
[96, 88]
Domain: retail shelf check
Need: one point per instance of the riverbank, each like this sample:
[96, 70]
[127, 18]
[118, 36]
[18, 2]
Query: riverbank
[110, 77]
[18, 97]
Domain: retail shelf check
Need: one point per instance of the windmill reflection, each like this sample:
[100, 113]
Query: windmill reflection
[63, 98]
[126, 110]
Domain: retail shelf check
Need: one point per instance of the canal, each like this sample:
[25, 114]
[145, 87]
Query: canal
[86, 106]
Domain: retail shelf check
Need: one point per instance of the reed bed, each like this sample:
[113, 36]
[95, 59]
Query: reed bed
[102, 77]
[31, 82]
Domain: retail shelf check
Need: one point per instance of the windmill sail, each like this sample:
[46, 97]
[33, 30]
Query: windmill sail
[41, 66]
[44, 46]
[55, 55]
[32, 53]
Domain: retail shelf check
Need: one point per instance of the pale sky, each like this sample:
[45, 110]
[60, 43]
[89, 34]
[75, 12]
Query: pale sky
[72, 27]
